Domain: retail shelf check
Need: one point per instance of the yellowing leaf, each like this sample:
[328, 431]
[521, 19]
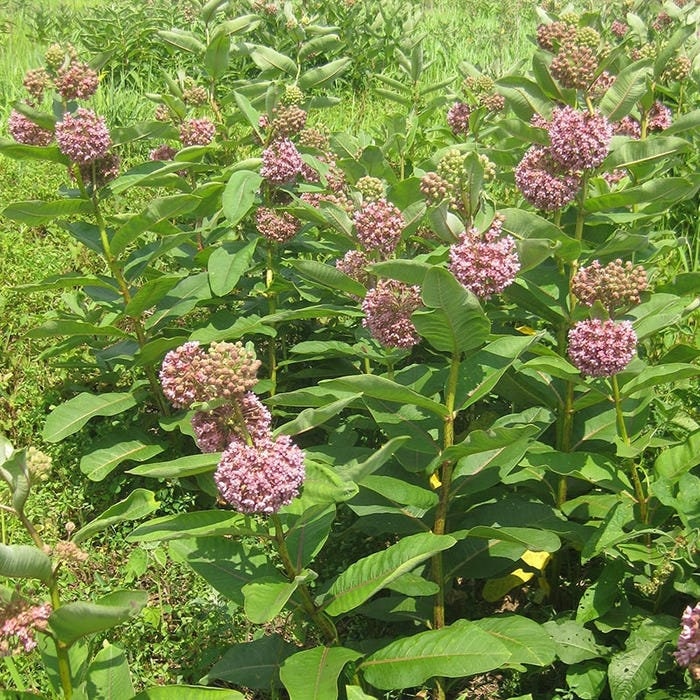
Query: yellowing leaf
[496, 588]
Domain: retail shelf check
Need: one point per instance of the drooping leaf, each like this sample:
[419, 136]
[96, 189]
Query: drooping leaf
[457, 651]
[264, 598]
[205, 523]
[675, 461]
[329, 277]
[137, 504]
[24, 561]
[362, 579]
[14, 471]
[71, 416]
[72, 621]
[268, 59]
[312, 417]
[239, 194]
[313, 674]
[217, 54]
[226, 267]
[36, 213]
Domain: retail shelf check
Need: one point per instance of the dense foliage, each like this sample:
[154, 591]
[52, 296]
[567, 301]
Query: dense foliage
[431, 388]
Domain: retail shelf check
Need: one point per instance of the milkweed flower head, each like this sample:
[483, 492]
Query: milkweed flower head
[162, 152]
[579, 140]
[189, 374]
[279, 227]
[260, 477]
[485, 263]
[544, 182]
[614, 285]
[388, 307]
[100, 171]
[627, 126]
[19, 623]
[281, 162]
[83, 136]
[688, 651]
[458, 118]
[76, 81]
[659, 117]
[379, 225]
[24, 130]
[354, 264]
[197, 132]
[601, 348]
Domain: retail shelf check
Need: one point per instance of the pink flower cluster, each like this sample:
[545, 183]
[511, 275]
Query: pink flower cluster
[458, 118]
[354, 264]
[659, 117]
[379, 225]
[76, 81]
[485, 263]
[20, 622]
[24, 130]
[256, 473]
[281, 162]
[189, 374]
[544, 182]
[83, 136]
[162, 152]
[388, 308]
[601, 348]
[614, 285]
[279, 227]
[688, 652]
[197, 132]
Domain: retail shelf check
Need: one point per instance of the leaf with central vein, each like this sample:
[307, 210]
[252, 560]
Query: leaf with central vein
[381, 388]
[361, 580]
[72, 415]
[206, 523]
[313, 674]
[525, 639]
[460, 650]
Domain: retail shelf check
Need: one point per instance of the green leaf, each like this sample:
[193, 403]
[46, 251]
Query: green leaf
[524, 97]
[328, 276]
[573, 641]
[381, 388]
[150, 294]
[265, 597]
[675, 461]
[313, 674]
[315, 77]
[267, 58]
[14, 471]
[655, 375]
[312, 417]
[239, 194]
[308, 534]
[188, 692]
[458, 322]
[319, 44]
[108, 677]
[184, 40]
[53, 328]
[217, 54]
[24, 561]
[137, 504]
[535, 540]
[457, 651]
[20, 151]
[629, 86]
[639, 152]
[362, 579]
[526, 641]
[159, 210]
[601, 595]
[99, 463]
[36, 213]
[633, 670]
[72, 621]
[226, 266]
[179, 468]
[587, 679]
[253, 664]
[72, 415]
[205, 523]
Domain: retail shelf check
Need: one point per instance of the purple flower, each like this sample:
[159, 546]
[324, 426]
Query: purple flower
[279, 227]
[215, 430]
[379, 226]
[100, 171]
[354, 264]
[688, 653]
[162, 152]
[24, 130]
[659, 117]
[627, 126]
[19, 624]
[260, 478]
[579, 140]
[619, 28]
[601, 348]
[388, 308]
[190, 375]
[77, 81]
[544, 182]
[487, 263]
[458, 118]
[83, 136]
[36, 81]
[281, 162]
[197, 132]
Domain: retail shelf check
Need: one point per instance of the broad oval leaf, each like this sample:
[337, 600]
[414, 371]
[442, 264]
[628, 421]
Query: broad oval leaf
[313, 674]
[36, 213]
[226, 266]
[205, 523]
[179, 468]
[239, 194]
[108, 676]
[362, 579]
[323, 74]
[98, 464]
[526, 640]
[24, 561]
[72, 415]
[629, 86]
[188, 692]
[457, 651]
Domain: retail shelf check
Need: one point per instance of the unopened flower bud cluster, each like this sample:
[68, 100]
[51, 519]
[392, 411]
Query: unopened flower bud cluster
[614, 285]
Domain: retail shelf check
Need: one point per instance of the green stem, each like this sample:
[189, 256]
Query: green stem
[440, 524]
[271, 307]
[14, 673]
[634, 470]
[323, 622]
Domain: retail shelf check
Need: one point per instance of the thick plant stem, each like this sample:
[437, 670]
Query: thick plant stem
[322, 622]
[624, 436]
[440, 524]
